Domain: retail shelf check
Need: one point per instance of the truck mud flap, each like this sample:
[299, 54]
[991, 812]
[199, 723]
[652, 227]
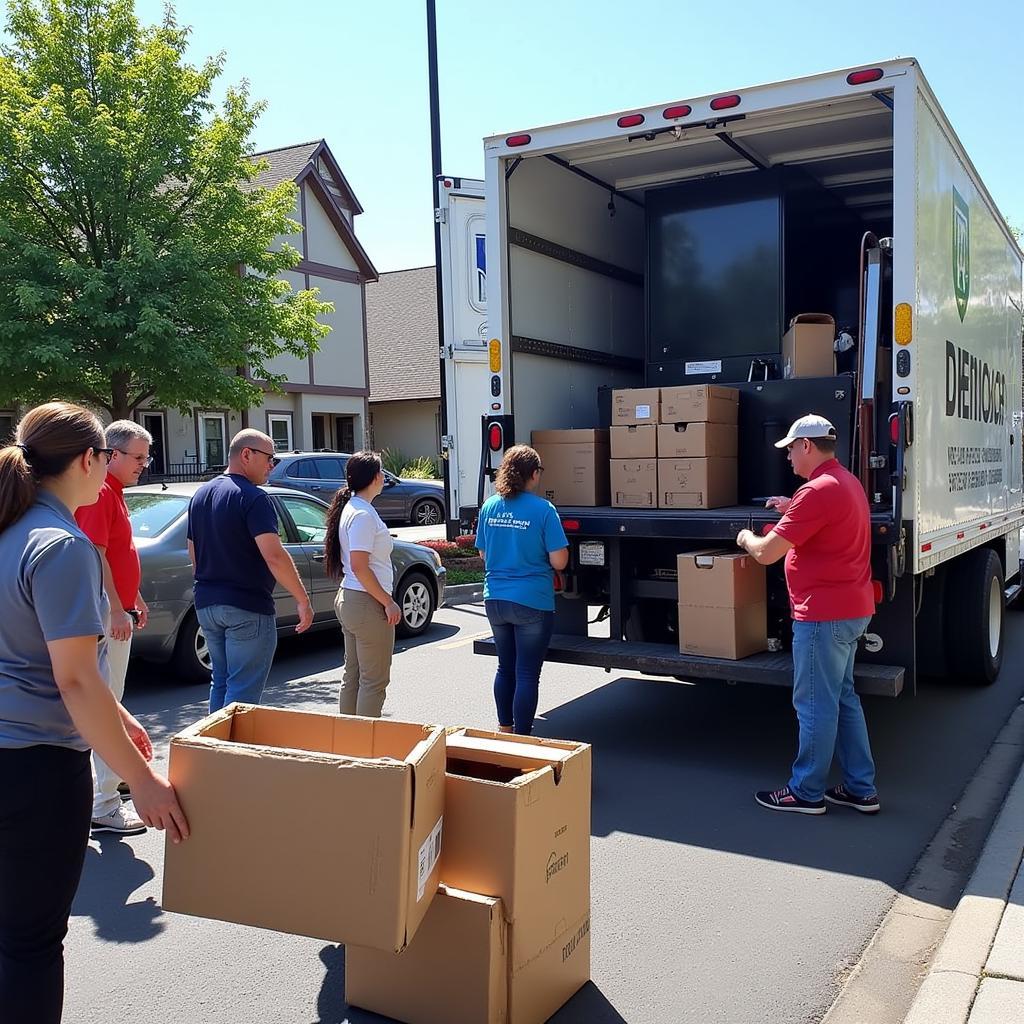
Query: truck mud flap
[665, 660]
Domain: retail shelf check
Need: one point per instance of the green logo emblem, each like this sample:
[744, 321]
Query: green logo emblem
[961, 252]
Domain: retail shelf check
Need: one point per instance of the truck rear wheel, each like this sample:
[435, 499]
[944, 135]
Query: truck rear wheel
[975, 606]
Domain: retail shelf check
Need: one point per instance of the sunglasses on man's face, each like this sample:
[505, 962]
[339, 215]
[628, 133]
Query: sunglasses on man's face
[270, 457]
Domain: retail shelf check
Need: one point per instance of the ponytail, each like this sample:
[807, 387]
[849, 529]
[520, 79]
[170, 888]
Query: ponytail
[49, 439]
[360, 471]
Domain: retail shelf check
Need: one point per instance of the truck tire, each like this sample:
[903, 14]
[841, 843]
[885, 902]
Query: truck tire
[975, 606]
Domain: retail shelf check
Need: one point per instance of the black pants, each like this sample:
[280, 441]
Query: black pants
[45, 809]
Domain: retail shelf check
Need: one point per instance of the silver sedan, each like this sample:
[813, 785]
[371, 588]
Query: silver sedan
[159, 523]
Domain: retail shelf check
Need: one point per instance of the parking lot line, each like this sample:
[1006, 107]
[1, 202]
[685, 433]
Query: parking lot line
[463, 641]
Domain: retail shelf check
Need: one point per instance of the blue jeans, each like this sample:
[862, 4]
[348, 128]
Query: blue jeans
[521, 635]
[242, 646]
[828, 710]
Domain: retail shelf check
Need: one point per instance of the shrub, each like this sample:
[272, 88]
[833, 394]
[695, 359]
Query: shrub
[422, 468]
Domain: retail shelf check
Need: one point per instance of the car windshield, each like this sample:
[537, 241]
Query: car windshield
[151, 514]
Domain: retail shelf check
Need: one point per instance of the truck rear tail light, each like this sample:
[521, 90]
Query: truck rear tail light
[494, 437]
[903, 323]
[725, 102]
[518, 140]
[630, 120]
[570, 524]
[863, 77]
[877, 590]
[559, 583]
[894, 429]
[681, 110]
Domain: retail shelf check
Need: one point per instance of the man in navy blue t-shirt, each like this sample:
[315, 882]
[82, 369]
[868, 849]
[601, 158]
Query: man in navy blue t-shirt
[237, 555]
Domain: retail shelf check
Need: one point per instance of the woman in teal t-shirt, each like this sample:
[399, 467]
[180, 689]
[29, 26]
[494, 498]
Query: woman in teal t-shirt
[523, 544]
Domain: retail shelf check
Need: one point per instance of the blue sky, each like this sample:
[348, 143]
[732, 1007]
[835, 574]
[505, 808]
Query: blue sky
[355, 74]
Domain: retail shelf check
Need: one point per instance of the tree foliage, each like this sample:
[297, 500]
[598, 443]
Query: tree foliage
[136, 259]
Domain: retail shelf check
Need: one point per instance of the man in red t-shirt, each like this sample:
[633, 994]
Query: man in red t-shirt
[107, 525]
[825, 537]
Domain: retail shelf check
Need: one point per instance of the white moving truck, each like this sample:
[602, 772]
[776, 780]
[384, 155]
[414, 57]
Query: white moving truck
[672, 245]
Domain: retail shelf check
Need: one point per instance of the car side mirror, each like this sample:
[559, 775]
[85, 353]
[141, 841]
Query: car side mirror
[390, 481]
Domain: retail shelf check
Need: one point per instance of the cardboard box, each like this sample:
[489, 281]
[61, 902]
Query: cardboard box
[700, 403]
[574, 474]
[635, 405]
[723, 610]
[455, 971]
[517, 826]
[696, 483]
[807, 347]
[634, 483]
[314, 824]
[697, 440]
[635, 442]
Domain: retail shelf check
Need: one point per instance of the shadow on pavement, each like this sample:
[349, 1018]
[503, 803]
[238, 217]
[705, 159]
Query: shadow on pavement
[680, 762]
[588, 1006]
[112, 873]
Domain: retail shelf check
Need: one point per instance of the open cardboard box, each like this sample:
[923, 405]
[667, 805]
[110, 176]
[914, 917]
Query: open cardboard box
[314, 824]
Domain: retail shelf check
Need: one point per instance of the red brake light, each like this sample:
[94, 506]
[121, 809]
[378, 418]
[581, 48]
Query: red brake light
[570, 524]
[447, 183]
[558, 582]
[630, 120]
[725, 102]
[494, 438]
[863, 77]
[682, 110]
[518, 140]
[878, 590]
[894, 429]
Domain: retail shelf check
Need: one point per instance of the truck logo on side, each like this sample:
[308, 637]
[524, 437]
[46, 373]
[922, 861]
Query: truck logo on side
[961, 253]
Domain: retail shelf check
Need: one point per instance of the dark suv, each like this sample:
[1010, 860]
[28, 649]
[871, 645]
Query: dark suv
[419, 502]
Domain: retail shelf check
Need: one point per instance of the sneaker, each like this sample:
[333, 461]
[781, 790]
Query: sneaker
[123, 820]
[865, 804]
[785, 800]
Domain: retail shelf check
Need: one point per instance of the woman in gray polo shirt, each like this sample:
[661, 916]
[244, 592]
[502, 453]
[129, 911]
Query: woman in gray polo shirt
[54, 702]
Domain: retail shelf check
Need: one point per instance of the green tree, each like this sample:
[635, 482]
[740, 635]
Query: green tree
[135, 251]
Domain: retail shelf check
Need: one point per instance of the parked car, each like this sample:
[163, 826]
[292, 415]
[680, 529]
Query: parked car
[159, 524]
[419, 502]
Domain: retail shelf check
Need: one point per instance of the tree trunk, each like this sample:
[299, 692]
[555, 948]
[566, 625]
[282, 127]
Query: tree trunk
[120, 408]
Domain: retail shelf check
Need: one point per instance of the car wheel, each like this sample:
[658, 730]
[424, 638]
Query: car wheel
[415, 597]
[427, 513]
[191, 653]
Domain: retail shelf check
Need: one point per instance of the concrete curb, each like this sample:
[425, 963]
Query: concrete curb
[462, 593]
[959, 966]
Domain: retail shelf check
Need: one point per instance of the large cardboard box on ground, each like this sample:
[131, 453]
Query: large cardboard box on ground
[455, 971]
[314, 824]
[808, 346]
[696, 483]
[517, 829]
[635, 405]
[635, 442]
[700, 403]
[575, 466]
[722, 604]
[697, 440]
[634, 483]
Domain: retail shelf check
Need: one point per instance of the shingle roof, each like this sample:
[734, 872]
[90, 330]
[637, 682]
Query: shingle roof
[285, 164]
[401, 330]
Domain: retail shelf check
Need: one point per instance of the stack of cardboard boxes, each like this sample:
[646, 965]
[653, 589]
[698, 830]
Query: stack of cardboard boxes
[455, 867]
[674, 447]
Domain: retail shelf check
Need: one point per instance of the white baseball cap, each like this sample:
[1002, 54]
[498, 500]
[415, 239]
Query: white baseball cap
[812, 426]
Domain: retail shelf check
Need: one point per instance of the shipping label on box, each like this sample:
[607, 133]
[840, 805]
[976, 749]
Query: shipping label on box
[517, 825]
[808, 347]
[696, 483]
[697, 440]
[363, 868]
[455, 971]
[635, 405]
[635, 442]
[700, 403]
[634, 483]
[574, 474]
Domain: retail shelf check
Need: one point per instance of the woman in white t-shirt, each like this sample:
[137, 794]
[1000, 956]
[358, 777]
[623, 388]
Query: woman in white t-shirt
[358, 550]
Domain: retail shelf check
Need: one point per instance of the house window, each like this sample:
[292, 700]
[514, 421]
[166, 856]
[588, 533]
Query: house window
[213, 430]
[279, 427]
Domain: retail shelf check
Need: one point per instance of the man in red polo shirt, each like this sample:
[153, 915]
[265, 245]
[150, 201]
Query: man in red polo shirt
[825, 537]
[107, 525]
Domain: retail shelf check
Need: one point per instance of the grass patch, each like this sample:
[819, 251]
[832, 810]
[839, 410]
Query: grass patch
[456, 577]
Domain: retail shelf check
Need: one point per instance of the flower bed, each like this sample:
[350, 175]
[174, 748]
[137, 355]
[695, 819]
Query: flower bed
[460, 557]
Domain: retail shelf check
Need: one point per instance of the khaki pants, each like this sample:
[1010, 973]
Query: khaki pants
[369, 644]
[106, 798]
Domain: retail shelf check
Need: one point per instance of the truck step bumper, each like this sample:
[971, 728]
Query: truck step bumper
[665, 660]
